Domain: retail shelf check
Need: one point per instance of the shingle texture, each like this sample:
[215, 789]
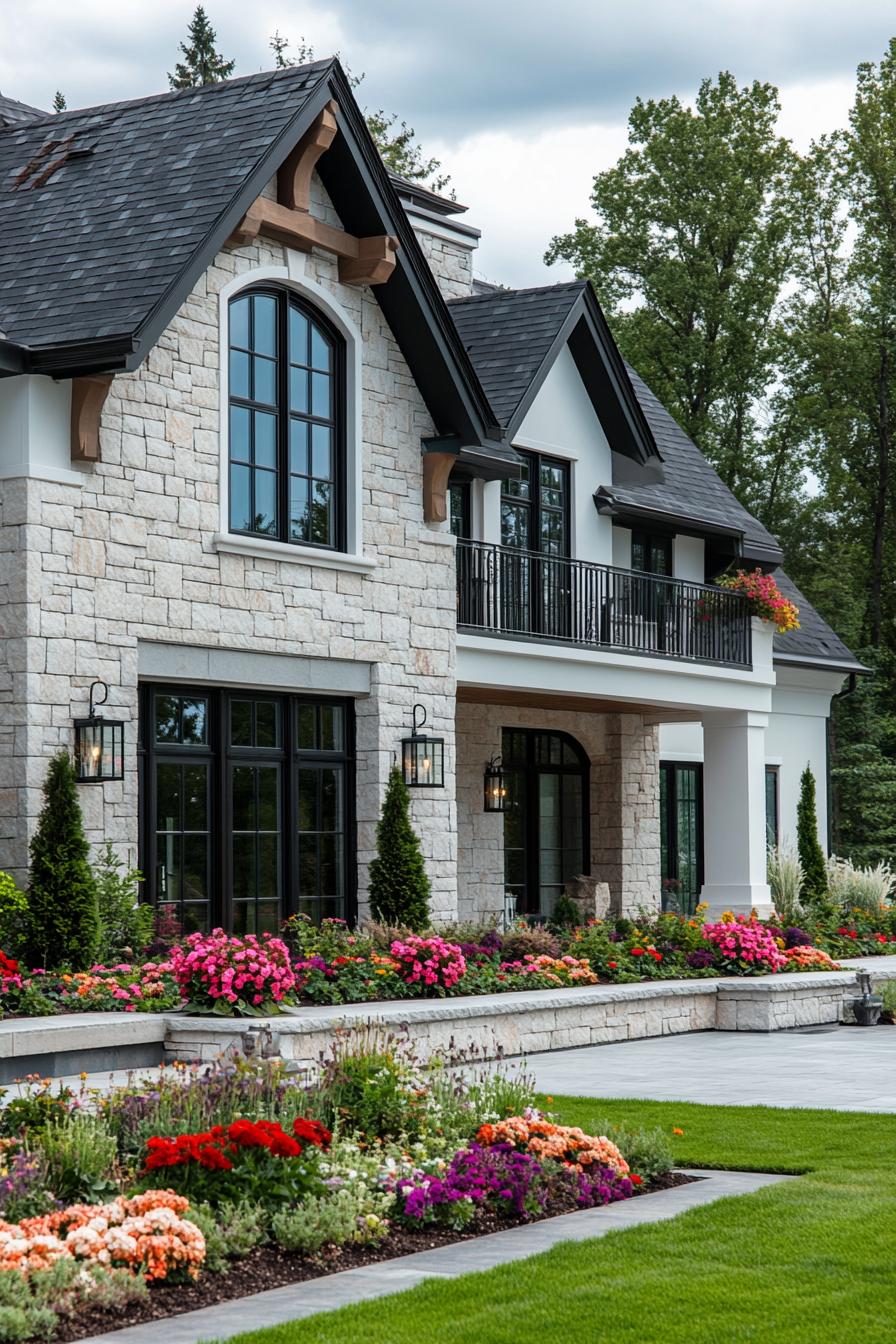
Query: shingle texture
[508, 333]
[90, 251]
[815, 638]
[12, 112]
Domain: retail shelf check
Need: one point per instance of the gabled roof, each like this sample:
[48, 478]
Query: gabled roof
[513, 337]
[98, 253]
[691, 488]
[815, 641]
[12, 112]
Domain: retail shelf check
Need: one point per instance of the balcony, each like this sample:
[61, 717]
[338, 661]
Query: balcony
[526, 595]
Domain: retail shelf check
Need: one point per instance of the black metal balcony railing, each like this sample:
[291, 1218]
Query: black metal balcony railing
[504, 591]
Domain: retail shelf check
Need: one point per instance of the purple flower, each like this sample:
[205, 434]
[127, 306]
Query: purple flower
[796, 938]
[700, 960]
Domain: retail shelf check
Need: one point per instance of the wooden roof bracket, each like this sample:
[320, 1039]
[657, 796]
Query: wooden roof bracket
[88, 398]
[294, 175]
[288, 220]
[439, 456]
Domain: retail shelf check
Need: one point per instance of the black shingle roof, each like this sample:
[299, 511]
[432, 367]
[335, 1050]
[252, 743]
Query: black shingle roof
[815, 638]
[691, 488]
[91, 251]
[12, 112]
[508, 333]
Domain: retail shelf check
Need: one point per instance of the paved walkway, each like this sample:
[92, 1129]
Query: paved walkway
[838, 1068]
[296, 1301]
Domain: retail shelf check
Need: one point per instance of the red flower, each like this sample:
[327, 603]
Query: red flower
[637, 951]
[612, 965]
[312, 1132]
[635, 1178]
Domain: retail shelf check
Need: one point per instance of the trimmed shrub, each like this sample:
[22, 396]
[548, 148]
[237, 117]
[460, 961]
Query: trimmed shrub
[815, 880]
[13, 917]
[63, 916]
[399, 888]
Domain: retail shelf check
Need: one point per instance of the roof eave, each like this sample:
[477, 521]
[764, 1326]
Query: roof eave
[831, 664]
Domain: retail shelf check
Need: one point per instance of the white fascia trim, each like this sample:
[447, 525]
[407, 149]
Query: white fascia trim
[541, 446]
[233, 543]
[601, 657]
[35, 471]
[293, 276]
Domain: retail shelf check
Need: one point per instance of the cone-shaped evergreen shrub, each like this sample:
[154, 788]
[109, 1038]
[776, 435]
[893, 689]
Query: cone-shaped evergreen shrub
[63, 920]
[399, 887]
[815, 881]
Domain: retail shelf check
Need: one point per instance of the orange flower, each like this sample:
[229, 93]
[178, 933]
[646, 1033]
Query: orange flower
[679, 1132]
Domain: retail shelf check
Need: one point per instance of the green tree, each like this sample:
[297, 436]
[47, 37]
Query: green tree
[811, 854]
[398, 887]
[395, 140]
[62, 901]
[202, 64]
[863, 765]
[59, 103]
[689, 253]
[125, 925]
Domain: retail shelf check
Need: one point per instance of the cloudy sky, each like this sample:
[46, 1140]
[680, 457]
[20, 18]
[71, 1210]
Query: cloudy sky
[523, 101]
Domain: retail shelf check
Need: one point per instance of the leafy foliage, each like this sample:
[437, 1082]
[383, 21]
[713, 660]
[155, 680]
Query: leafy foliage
[398, 887]
[63, 914]
[125, 925]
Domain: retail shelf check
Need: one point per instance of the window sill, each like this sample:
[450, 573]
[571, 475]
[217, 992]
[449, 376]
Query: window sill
[230, 543]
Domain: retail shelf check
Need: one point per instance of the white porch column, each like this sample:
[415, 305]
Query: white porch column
[734, 840]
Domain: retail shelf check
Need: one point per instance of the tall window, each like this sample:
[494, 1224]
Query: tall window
[772, 805]
[681, 835]
[286, 421]
[546, 832]
[460, 509]
[535, 591]
[651, 554]
[246, 807]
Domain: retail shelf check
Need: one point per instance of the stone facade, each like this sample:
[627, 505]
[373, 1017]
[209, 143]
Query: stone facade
[450, 260]
[623, 804]
[128, 554]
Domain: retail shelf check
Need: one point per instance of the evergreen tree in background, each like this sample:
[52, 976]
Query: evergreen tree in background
[62, 900]
[398, 888]
[395, 140]
[59, 103]
[202, 64]
[815, 882]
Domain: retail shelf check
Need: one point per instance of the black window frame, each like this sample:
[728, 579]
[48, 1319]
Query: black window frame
[533, 503]
[460, 493]
[669, 821]
[773, 772]
[661, 541]
[221, 756]
[286, 300]
[529, 768]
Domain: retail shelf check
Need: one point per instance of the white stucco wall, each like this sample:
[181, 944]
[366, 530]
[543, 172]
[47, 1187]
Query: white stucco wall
[562, 423]
[687, 559]
[796, 736]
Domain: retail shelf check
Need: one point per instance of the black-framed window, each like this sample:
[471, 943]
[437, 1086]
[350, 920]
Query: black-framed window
[535, 506]
[287, 420]
[772, 805]
[652, 553]
[460, 509]
[246, 807]
[681, 834]
[546, 822]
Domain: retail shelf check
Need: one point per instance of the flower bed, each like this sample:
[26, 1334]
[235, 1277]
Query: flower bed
[203, 1169]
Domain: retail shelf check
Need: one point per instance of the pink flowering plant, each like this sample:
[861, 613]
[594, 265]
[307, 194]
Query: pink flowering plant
[765, 598]
[221, 973]
[744, 946]
[430, 964]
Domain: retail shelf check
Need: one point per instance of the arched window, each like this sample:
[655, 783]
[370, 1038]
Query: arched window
[286, 437]
[546, 825]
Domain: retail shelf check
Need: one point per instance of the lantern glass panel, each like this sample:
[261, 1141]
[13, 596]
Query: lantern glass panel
[423, 762]
[495, 789]
[99, 750]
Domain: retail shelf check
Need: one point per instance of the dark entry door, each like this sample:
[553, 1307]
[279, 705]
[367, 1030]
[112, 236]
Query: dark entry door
[535, 585]
[546, 839]
[681, 835]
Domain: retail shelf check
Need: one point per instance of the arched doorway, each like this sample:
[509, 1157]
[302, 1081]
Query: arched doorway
[546, 824]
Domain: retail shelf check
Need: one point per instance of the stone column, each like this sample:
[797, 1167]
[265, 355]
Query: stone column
[734, 840]
[626, 814]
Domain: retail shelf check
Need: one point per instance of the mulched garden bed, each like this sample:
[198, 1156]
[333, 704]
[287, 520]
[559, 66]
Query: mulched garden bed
[270, 1267]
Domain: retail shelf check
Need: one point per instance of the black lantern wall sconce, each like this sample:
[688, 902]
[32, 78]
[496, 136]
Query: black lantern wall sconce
[99, 743]
[495, 786]
[423, 757]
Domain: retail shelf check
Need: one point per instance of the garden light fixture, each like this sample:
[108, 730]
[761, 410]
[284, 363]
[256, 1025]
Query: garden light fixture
[99, 743]
[423, 757]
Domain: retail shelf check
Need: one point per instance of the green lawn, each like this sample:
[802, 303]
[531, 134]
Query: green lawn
[806, 1262]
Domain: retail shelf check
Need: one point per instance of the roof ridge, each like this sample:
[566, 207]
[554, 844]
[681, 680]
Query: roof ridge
[57, 118]
[501, 292]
